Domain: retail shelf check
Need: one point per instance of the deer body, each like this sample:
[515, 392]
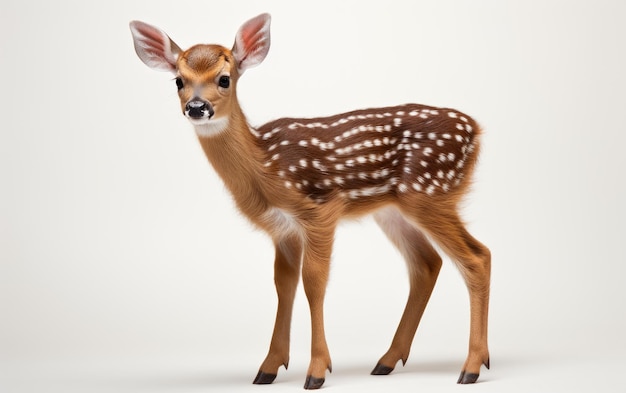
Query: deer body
[295, 178]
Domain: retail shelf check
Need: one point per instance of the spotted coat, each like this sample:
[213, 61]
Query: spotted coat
[371, 152]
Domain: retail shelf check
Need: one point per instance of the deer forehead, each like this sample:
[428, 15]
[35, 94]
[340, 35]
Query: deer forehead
[204, 63]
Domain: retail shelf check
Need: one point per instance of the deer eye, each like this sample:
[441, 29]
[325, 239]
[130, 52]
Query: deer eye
[179, 83]
[224, 81]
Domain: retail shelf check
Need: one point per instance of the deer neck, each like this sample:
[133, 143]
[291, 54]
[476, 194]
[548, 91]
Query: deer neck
[235, 156]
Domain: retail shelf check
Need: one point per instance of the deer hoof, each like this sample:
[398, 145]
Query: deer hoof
[467, 378]
[313, 383]
[264, 378]
[381, 369]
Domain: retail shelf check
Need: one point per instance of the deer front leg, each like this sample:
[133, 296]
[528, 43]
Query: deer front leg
[315, 271]
[286, 274]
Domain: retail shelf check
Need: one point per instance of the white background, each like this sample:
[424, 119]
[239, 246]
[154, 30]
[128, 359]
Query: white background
[125, 267]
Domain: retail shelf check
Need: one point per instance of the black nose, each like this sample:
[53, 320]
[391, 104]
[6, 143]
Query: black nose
[198, 109]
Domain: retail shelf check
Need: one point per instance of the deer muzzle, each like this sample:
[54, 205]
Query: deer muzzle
[198, 109]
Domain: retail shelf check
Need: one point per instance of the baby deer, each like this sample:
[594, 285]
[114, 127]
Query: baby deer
[296, 178]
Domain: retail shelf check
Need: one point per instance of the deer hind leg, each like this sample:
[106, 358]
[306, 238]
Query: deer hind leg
[286, 276]
[474, 262]
[315, 270]
[423, 264]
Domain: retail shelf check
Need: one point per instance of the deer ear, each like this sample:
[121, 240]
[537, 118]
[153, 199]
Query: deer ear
[154, 47]
[252, 42]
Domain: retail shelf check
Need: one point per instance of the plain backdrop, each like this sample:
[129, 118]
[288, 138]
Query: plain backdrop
[125, 267]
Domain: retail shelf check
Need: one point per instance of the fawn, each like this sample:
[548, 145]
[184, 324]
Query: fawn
[295, 178]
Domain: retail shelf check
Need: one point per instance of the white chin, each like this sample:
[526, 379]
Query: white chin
[199, 122]
[209, 127]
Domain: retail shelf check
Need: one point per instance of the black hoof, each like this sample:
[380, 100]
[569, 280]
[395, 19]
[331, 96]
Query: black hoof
[263, 378]
[381, 369]
[467, 378]
[313, 383]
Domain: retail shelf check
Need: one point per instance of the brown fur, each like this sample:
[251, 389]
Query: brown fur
[413, 188]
